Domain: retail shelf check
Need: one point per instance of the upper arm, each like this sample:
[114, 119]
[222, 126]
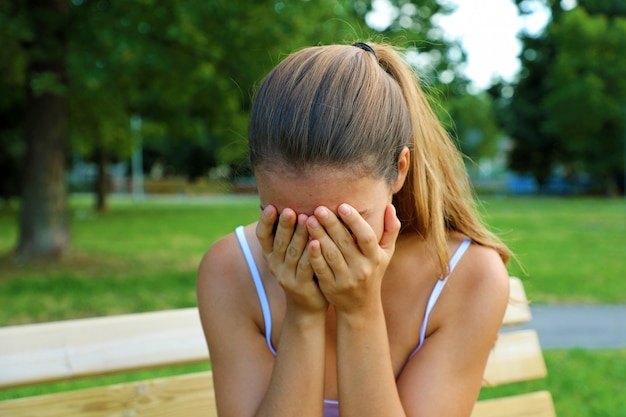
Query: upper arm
[240, 359]
[445, 375]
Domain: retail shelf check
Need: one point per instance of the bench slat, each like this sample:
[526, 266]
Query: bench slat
[537, 404]
[517, 311]
[35, 353]
[516, 357]
[45, 352]
[189, 395]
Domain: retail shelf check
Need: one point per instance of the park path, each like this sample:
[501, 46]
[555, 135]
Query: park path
[579, 326]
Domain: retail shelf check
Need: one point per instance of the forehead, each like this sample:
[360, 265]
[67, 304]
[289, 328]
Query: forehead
[323, 187]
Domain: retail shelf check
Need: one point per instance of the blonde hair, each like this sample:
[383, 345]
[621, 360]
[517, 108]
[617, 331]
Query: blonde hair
[346, 106]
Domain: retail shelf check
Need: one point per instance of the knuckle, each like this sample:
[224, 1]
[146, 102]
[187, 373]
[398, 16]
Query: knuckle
[368, 239]
[279, 243]
[346, 241]
[331, 255]
[292, 252]
[304, 266]
[362, 273]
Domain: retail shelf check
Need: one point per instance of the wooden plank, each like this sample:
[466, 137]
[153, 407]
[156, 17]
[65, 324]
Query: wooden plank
[43, 352]
[516, 357]
[517, 311]
[537, 404]
[188, 395]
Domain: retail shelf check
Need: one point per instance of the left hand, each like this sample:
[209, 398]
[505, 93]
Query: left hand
[283, 239]
[347, 257]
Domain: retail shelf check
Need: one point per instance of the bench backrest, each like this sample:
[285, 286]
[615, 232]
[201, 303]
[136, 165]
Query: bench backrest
[45, 352]
[516, 357]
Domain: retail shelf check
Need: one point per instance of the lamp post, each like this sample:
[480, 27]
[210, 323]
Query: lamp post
[137, 158]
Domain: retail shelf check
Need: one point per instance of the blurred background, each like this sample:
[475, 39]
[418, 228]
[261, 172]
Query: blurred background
[146, 96]
[123, 144]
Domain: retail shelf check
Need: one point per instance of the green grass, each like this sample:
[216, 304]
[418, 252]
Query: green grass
[586, 383]
[136, 257]
[142, 256]
[571, 250]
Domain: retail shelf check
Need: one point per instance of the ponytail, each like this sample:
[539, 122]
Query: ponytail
[436, 198]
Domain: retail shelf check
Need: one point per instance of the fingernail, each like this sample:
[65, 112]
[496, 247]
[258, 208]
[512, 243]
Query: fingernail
[322, 213]
[313, 223]
[344, 210]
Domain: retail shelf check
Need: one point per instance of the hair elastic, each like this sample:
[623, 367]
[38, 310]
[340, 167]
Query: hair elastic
[365, 47]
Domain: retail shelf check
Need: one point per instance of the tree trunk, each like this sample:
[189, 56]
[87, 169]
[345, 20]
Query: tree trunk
[43, 222]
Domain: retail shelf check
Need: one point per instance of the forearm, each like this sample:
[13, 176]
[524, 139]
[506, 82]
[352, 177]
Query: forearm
[367, 385]
[297, 382]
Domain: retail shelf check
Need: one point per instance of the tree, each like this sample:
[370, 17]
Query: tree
[44, 229]
[81, 70]
[476, 125]
[535, 151]
[587, 93]
[85, 68]
[568, 106]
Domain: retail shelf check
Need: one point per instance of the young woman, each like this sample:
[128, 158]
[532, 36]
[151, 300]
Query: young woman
[368, 287]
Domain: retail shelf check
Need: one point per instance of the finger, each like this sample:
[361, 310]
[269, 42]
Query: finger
[284, 233]
[392, 229]
[361, 230]
[265, 228]
[337, 231]
[298, 242]
[329, 261]
[304, 270]
[318, 263]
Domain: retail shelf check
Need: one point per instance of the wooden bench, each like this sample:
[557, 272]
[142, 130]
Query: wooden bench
[67, 350]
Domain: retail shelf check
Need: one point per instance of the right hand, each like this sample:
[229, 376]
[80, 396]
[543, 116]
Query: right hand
[284, 249]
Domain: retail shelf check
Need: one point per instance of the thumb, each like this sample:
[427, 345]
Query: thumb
[392, 229]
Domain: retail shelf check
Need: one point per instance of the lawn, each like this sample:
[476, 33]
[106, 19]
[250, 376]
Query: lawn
[142, 256]
[138, 256]
[583, 383]
[569, 250]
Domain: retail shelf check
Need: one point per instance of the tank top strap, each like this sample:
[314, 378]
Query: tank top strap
[258, 285]
[438, 288]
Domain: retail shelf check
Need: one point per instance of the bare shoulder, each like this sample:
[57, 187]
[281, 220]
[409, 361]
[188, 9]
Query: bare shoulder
[223, 277]
[461, 333]
[484, 271]
[220, 263]
[480, 283]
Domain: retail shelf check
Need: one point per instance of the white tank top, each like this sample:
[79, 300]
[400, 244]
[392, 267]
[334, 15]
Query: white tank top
[331, 407]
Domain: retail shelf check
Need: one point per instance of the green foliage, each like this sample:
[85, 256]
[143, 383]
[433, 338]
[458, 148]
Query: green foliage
[569, 106]
[586, 102]
[189, 68]
[475, 123]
